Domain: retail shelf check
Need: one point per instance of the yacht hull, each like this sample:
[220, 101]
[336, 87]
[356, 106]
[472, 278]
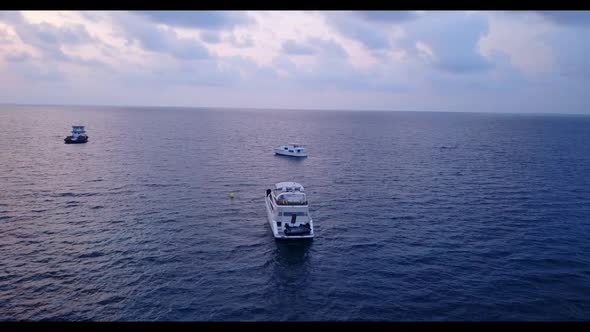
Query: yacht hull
[290, 154]
[70, 140]
[281, 235]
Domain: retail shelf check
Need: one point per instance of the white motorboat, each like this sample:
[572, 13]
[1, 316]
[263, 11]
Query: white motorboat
[287, 211]
[293, 150]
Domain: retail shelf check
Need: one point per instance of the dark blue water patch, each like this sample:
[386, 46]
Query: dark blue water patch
[159, 185]
[419, 216]
[67, 194]
[92, 254]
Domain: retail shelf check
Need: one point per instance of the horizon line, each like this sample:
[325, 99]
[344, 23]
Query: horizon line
[283, 109]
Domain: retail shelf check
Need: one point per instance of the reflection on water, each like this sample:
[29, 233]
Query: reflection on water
[294, 253]
[294, 159]
[291, 278]
[292, 261]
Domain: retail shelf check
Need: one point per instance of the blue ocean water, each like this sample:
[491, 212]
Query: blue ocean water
[418, 216]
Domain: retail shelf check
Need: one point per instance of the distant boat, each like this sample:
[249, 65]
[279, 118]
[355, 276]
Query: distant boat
[287, 211]
[78, 136]
[293, 150]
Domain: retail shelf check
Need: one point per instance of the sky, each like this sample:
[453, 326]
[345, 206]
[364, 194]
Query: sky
[460, 61]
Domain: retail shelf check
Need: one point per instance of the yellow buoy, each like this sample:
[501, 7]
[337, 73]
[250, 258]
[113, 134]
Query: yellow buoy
[231, 195]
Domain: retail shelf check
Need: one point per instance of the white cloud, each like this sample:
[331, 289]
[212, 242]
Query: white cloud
[425, 52]
[521, 37]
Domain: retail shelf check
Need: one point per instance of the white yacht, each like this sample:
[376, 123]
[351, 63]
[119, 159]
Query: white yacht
[78, 135]
[293, 150]
[287, 211]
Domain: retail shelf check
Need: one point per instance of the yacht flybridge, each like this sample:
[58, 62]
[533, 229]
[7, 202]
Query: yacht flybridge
[78, 135]
[293, 150]
[287, 211]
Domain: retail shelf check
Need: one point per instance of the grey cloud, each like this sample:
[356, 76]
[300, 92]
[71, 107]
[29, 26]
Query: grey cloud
[211, 37]
[92, 16]
[3, 36]
[17, 57]
[75, 34]
[353, 27]
[294, 48]
[454, 38]
[336, 73]
[572, 50]
[465, 65]
[48, 38]
[38, 73]
[48, 35]
[246, 42]
[328, 47]
[503, 80]
[258, 75]
[178, 47]
[160, 40]
[199, 19]
[10, 16]
[197, 73]
[87, 62]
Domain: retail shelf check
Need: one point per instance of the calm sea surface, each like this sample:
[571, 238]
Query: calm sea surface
[418, 216]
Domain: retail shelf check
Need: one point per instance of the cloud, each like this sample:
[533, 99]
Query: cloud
[197, 73]
[360, 30]
[38, 72]
[572, 52]
[542, 44]
[48, 39]
[160, 39]
[504, 79]
[199, 19]
[332, 73]
[328, 47]
[47, 35]
[17, 57]
[369, 27]
[3, 36]
[446, 41]
[295, 48]
[243, 42]
[10, 16]
[211, 37]
[452, 39]
[521, 36]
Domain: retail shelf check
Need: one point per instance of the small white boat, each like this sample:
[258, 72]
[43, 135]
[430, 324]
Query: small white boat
[293, 150]
[287, 211]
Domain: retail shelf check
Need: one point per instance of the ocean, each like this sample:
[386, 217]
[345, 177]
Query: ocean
[418, 216]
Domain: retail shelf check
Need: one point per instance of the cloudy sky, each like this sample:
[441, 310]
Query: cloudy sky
[377, 60]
